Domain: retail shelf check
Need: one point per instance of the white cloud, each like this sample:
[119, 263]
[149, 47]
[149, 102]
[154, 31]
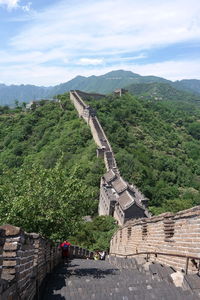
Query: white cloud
[79, 33]
[27, 7]
[173, 70]
[33, 57]
[89, 61]
[128, 58]
[105, 25]
[10, 4]
[13, 4]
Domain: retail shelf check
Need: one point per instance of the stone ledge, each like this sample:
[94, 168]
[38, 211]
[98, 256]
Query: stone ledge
[11, 230]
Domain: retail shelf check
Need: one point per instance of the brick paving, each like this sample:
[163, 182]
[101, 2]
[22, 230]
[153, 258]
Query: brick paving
[99, 280]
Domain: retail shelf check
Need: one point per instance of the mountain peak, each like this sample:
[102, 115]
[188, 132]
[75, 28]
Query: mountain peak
[121, 73]
[79, 77]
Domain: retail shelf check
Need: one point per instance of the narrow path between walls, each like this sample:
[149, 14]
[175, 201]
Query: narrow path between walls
[99, 280]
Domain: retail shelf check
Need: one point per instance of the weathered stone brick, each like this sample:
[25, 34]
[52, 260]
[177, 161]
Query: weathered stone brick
[179, 235]
[7, 254]
[11, 246]
[11, 230]
[9, 263]
[7, 276]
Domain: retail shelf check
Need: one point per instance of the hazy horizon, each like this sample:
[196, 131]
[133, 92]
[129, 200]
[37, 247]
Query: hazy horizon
[88, 77]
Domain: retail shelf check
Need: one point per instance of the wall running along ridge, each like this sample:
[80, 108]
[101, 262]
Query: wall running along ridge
[117, 198]
[25, 260]
[98, 134]
[168, 233]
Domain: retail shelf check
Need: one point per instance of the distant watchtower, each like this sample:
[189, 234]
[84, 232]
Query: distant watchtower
[120, 92]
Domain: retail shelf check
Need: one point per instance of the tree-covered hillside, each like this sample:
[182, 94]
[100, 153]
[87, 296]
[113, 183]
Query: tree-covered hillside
[160, 91]
[49, 173]
[190, 85]
[157, 147]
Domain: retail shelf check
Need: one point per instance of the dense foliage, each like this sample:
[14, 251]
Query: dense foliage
[49, 170]
[96, 235]
[49, 173]
[160, 91]
[48, 201]
[157, 146]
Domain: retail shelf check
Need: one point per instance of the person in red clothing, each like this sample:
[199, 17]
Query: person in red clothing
[65, 249]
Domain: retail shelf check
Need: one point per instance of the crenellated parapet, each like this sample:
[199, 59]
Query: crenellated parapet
[25, 261]
[169, 239]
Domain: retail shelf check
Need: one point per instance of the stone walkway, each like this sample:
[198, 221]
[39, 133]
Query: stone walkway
[99, 280]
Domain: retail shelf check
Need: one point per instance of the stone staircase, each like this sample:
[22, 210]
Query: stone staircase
[124, 279]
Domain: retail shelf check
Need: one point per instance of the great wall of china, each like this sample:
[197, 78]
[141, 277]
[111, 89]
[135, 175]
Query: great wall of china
[172, 239]
[25, 261]
[88, 114]
[118, 198]
[159, 245]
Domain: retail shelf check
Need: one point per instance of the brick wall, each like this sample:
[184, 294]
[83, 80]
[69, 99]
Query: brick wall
[25, 261]
[79, 105]
[175, 234]
[85, 95]
[98, 134]
[2, 241]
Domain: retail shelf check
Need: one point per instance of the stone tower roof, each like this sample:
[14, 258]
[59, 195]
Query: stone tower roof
[125, 200]
[119, 185]
[139, 196]
[109, 176]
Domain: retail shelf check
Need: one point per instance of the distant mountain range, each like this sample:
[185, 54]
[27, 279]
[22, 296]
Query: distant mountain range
[103, 84]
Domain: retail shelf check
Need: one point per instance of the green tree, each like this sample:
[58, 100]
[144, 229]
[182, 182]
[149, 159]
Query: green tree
[48, 201]
[194, 130]
[16, 103]
[96, 235]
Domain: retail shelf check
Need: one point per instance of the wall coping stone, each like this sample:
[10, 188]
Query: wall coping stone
[11, 230]
[191, 212]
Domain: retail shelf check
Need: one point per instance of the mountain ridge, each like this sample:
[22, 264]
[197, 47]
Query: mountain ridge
[105, 83]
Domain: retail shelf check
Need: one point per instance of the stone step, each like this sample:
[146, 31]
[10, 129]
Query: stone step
[193, 281]
[87, 280]
[162, 271]
[119, 294]
[159, 288]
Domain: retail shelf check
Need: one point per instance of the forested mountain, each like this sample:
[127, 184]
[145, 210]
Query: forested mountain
[192, 85]
[101, 84]
[49, 172]
[107, 83]
[162, 91]
[157, 147]
[23, 93]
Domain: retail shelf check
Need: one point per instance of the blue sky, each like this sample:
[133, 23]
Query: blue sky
[46, 42]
